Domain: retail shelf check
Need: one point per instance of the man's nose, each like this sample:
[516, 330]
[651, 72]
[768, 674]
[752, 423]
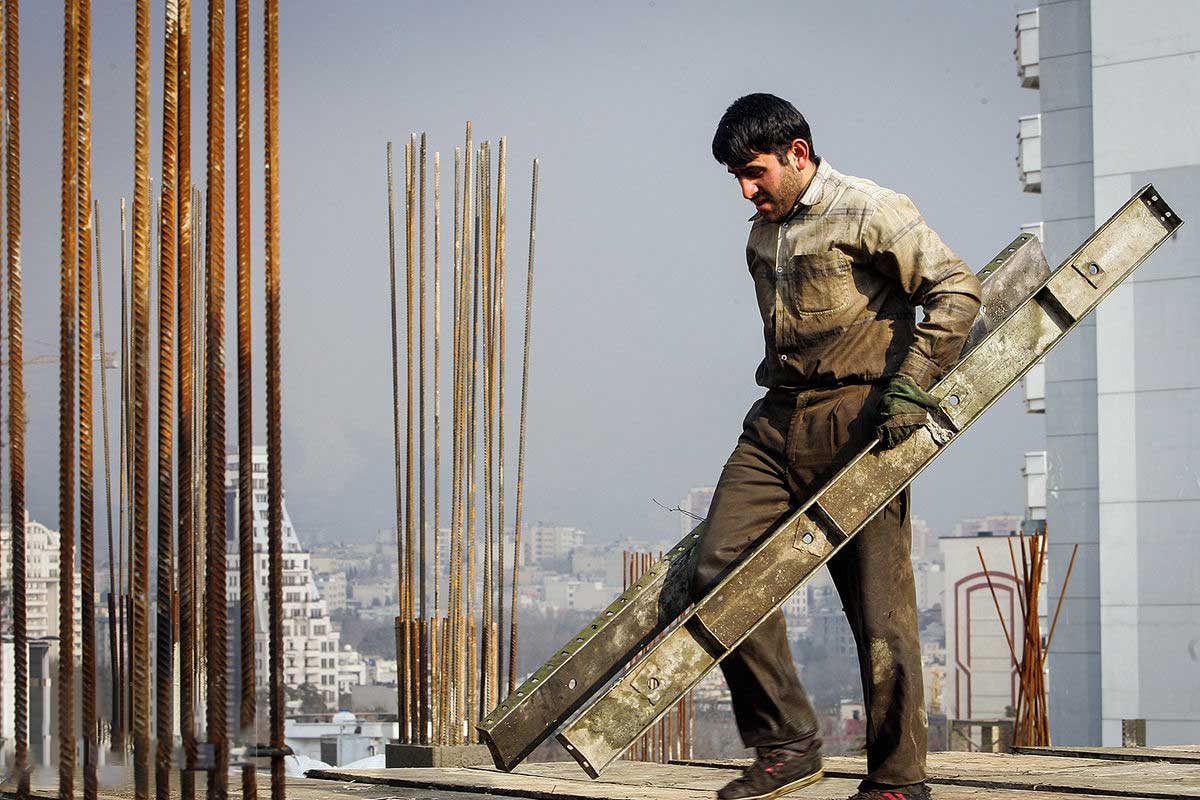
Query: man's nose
[749, 188]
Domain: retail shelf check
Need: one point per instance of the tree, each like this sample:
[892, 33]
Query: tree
[310, 697]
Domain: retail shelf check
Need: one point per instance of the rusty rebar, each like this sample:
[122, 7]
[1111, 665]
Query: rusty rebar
[396, 468]
[200, 454]
[512, 641]
[423, 657]
[124, 498]
[113, 646]
[274, 401]
[472, 400]
[245, 432]
[486, 663]
[87, 529]
[501, 243]
[140, 456]
[422, 641]
[185, 391]
[165, 658]
[5, 422]
[16, 390]
[66, 407]
[438, 655]
[214, 400]
[411, 657]
[453, 723]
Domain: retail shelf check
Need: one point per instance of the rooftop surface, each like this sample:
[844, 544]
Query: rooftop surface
[1164, 773]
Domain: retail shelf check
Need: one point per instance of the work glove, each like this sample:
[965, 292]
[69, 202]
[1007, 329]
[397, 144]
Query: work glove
[903, 410]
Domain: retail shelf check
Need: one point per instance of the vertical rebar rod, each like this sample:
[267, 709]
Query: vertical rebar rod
[87, 508]
[454, 582]
[245, 410]
[140, 456]
[200, 453]
[114, 648]
[274, 401]
[501, 242]
[473, 676]
[185, 393]
[465, 676]
[165, 657]
[16, 389]
[214, 390]
[411, 657]
[402, 685]
[512, 641]
[66, 410]
[437, 655]
[5, 422]
[422, 641]
[124, 496]
[486, 628]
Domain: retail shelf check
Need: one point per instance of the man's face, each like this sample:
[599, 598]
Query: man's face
[773, 186]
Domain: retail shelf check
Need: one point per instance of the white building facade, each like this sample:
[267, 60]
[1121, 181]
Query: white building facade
[1119, 96]
[311, 644]
[41, 581]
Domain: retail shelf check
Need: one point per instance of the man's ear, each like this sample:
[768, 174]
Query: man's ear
[799, 153]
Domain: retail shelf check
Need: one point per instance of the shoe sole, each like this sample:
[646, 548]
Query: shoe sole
[799, 783]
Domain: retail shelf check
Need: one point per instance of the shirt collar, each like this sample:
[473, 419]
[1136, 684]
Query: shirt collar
[811, 194]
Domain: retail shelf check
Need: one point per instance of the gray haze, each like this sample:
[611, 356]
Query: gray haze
[645, 329]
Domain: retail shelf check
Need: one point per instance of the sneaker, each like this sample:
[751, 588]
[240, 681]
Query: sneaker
[918, 791]
[777, 771]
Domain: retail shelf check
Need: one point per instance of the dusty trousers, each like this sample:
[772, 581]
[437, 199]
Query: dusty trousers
[791, 442]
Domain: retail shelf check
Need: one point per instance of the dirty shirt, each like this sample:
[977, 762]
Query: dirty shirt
[838, 282]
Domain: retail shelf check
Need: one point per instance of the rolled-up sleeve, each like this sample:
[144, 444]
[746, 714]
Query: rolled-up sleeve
[907, 250]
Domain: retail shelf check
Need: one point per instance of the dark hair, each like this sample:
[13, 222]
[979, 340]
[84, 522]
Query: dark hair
[758, 123]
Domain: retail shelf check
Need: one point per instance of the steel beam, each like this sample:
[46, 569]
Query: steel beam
[598, 652]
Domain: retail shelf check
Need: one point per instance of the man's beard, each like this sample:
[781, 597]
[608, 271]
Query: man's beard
[791, 185]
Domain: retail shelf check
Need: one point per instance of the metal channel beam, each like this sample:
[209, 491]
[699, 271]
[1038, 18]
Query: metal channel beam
[788, 557]
[591, 658]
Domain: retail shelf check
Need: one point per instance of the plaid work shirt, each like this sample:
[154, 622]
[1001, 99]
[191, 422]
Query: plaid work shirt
[838, 282]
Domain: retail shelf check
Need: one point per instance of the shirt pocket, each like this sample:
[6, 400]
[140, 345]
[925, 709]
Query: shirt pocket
[817, 283]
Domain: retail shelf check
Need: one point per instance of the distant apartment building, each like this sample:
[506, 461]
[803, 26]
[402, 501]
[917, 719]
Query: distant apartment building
[996, 525]
[695, 508]
[41, 581]
[565, 592]
[333, 587]
[1119, 101]
[924, 542]
[311, 642]
[828, 629]
[381, 670]
[351, 670]
[552, 544]
[930, 579]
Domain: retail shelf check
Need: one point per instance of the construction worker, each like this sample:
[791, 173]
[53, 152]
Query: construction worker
[840, 265]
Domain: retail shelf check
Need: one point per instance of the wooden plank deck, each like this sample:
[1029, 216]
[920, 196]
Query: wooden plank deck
[955, 776]
[1175, 754]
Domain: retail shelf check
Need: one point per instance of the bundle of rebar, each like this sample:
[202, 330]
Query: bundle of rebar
[451, 667]
[1032, 725]
[670, 737]
[190, 479]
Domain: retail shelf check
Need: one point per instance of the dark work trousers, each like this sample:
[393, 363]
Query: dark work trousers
[791, 443]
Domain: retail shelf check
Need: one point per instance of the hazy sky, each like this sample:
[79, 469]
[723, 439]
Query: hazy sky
[646, 333]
